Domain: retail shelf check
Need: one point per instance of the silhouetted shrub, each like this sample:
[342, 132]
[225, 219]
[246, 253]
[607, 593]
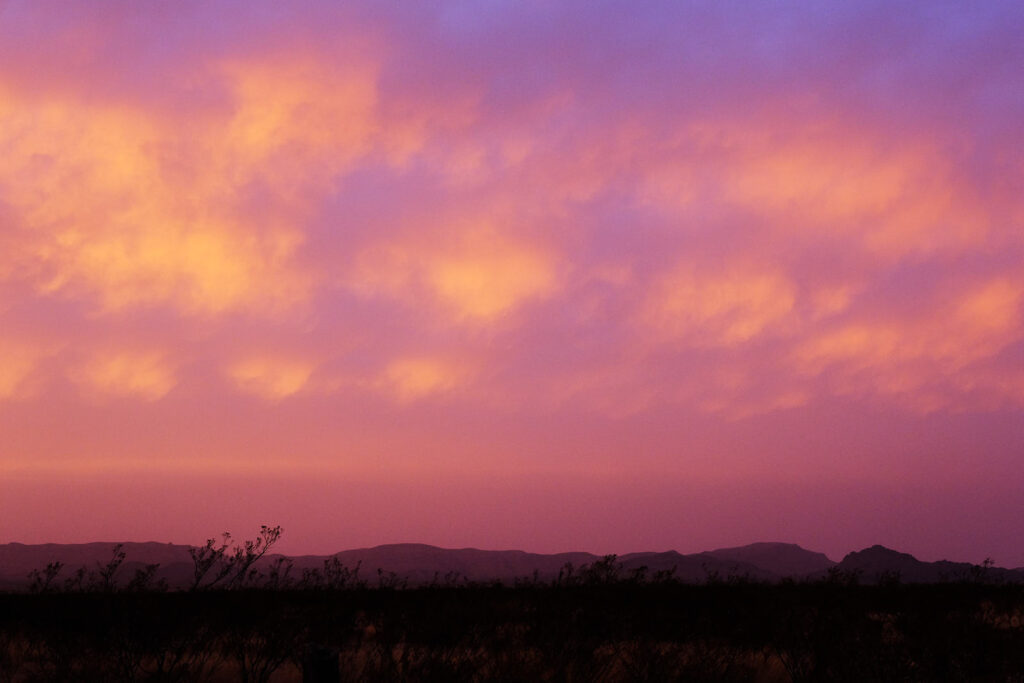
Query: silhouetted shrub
[595, 623]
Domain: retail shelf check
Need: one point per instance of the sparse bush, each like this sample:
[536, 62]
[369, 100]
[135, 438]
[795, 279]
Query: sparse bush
[247, 620]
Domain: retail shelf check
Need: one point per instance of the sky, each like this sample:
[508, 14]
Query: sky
[602, 276]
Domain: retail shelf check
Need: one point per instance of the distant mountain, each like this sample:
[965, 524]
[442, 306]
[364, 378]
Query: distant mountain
[780, 559]
[693, 568]
[879, 563]
[17, 560]
[418, 563]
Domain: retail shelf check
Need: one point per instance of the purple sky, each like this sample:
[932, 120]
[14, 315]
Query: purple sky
[603, 276]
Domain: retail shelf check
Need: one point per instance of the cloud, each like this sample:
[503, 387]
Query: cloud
[895, 198]
[474, 274]
[819, 177]
[129, 208]
[414, 378]
[145, 375]
[270, 378]
[487, 276]
[936, 359]
[297, 119]
[705, 307]
[19, 360]
[575, 224]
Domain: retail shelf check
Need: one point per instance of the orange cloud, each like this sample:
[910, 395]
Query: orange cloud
[210, 211]
[706, 308]
[477, 275]
[148, 375]
[740, 405]
[296, 118]
[416, 377]
[831, 300]
[896, 198]
[270, 378]
[929, 360]
[808, 179]
[106, 213]
[18, 360]
[487, 276]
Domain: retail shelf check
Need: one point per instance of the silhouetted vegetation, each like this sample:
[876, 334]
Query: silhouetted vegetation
[590, 623]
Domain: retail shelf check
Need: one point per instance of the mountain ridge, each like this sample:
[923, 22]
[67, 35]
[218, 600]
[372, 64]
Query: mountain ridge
[418, 563]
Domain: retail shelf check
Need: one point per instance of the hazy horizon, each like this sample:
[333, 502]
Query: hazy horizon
[536, 276]
[275, 550]
[278, 548]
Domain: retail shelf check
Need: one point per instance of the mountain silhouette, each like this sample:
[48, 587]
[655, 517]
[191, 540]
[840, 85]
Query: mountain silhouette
[781, 559]
[419, 563]
[18, 559]
[693, 568]
[879, 563]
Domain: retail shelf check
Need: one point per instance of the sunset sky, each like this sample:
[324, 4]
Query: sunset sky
[603, 276]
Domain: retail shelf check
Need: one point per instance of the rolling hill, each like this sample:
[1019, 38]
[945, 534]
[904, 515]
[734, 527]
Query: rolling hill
[419, 563]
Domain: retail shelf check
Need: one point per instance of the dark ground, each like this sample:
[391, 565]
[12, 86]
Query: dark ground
[592, 630]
